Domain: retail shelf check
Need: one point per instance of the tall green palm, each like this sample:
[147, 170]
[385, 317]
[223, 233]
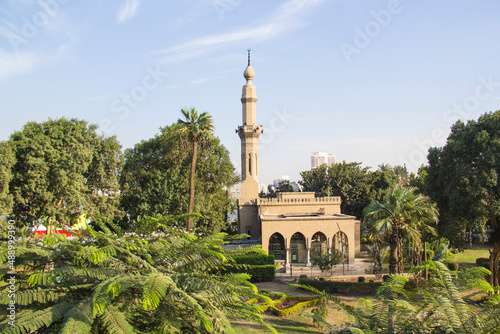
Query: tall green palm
[198, 126]
[404, 213]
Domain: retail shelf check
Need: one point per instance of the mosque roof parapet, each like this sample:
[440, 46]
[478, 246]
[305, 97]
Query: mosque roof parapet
[298, 197]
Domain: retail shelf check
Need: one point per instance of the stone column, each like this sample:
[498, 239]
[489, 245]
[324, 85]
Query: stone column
[287, 257]
[308, 253]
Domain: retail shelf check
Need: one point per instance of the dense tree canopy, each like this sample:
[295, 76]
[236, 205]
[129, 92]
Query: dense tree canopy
[7, 160]
[356, 185]
[62, 168]
[156, 174]
[463, 178]
[350, 181]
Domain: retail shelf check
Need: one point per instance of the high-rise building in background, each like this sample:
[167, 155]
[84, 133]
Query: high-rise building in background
[319, 158]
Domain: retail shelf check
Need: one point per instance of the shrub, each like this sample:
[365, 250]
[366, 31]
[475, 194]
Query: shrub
[361, 279]
[302, 276]
[325, 262]
[292, 304]
[366, 288]
[386, 278]
[453, 266]
[261, 267]
[483, 262]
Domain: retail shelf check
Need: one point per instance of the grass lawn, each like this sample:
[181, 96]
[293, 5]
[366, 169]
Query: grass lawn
[468, 257]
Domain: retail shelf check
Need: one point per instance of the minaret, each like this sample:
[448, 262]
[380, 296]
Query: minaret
[249, 134]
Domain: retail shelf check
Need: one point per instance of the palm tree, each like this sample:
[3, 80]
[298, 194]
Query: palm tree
[198, 127]
[404, 213]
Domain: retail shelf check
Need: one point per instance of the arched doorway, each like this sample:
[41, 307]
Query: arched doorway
[319, 243]
[340, 244]
[298, 248]
[277, 247]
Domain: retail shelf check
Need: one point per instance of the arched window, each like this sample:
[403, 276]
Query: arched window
[340, 244]
[277, 247]
[319, 243]
[298, 248]
[250, 164]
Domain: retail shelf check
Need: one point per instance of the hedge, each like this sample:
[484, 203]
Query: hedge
[261, 267]
[483, 262]
[342, 287]
[274, 305]
[295, 308]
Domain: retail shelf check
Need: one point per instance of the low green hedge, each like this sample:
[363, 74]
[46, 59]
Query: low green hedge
[483, 262]
[295, 308]
[261, 267]
[274, 306]
[342, 287]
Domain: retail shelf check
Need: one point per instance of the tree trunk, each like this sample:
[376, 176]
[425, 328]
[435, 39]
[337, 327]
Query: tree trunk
[495, 255]
[191, 186]
[393, 261]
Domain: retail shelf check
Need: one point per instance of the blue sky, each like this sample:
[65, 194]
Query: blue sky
[367, 80]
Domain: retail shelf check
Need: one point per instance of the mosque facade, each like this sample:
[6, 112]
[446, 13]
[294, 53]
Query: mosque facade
[294, 224]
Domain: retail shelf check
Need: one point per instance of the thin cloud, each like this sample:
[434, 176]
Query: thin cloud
[17, 63]
[127, 11]
[281, 21]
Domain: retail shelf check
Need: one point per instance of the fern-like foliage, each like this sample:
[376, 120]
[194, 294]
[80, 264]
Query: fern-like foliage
[104, 282]
[442, 309]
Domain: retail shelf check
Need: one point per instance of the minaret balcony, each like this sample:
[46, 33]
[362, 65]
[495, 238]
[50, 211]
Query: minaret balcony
[249, 130]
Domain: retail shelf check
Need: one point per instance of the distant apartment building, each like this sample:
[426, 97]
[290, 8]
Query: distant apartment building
[285, 178]
[319, 158]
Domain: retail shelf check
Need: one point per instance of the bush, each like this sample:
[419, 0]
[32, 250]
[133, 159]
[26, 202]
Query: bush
[292, 304]
[342, 287]
[261, 267]
[386, 278]
[361, 279]
[483, 262]
[302, 276]
[453, 266]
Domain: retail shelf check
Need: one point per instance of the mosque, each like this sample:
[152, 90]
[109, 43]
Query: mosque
[293, 224]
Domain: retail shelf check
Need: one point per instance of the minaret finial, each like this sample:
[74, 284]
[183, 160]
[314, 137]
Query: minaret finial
[249, 56]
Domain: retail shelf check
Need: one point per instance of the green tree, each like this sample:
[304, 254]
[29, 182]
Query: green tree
[383, 180]
[404, 214]
[156, 174]
[463, 178]
[198, 128]
[7, 160]
[107, 283]
[62, 168]
[325, 261]
[350, 181]
[419, 180]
